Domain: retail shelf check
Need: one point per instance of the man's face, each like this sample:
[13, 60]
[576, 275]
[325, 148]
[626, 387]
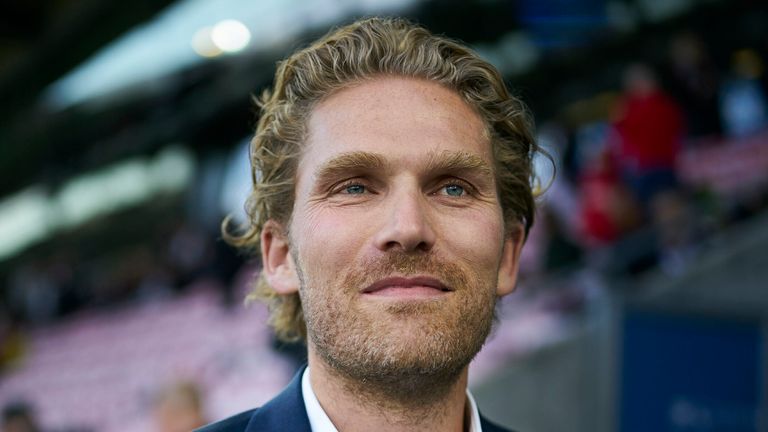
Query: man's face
[396, 240]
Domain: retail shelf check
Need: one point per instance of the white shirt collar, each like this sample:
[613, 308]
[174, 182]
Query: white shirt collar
[319, 421]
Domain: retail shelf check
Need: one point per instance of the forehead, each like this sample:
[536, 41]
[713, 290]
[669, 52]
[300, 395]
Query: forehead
[401, 118]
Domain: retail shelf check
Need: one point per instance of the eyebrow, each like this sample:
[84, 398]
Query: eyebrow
[458, 161]
[438, 162]
[349, 162]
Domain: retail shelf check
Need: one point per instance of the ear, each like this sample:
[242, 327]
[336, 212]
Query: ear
[277, 261]
[510, 261]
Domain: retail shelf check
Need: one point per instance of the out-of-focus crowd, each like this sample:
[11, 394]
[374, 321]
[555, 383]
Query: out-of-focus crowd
[647, 172]
[176, 408]
[44, 293]
[643, 177]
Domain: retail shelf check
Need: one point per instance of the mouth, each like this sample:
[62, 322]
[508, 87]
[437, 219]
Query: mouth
[407, 287]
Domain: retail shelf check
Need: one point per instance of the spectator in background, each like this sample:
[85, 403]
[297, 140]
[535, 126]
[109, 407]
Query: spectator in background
[33, 294]
[648, 138]
[608, 211]
[19, 417]
[693, 82]
[179, 408]
[649, 130]
[742, 100]
[189, 253]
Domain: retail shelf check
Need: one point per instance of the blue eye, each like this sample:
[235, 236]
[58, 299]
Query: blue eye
[354, 189]
[454, 190]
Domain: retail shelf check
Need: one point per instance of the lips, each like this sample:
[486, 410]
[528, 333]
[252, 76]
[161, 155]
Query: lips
[406, 283]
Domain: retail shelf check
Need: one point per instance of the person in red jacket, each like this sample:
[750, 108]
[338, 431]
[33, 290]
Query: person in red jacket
[649, 128]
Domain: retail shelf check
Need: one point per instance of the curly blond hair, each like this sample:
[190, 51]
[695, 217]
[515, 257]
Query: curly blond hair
[363, 50]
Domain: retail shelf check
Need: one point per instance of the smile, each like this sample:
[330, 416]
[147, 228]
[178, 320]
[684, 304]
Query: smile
[413, 287]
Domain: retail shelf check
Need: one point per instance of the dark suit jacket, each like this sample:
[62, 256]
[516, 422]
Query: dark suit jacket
[286, 413]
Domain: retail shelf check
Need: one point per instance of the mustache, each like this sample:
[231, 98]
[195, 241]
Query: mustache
[402, 264]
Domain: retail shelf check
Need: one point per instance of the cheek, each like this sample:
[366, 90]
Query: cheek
[478, 243]
[329, 240]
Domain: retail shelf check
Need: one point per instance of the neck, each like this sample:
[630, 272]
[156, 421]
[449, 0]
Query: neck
[408, 404]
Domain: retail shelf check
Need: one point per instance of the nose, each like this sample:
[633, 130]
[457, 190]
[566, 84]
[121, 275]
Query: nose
[407, 225]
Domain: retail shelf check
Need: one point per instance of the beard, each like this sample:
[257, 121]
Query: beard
[407, 352]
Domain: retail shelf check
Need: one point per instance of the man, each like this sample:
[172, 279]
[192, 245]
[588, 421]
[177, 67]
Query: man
[391, 200]
[178, 407]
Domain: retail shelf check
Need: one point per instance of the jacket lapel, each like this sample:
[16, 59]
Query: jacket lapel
[491, 427]
[286, 412]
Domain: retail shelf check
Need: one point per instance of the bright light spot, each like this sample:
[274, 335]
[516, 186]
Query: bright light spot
[23, 220]
[101, 192]
[32, 215]
[203, 44]
[172, 169]
[230, 36]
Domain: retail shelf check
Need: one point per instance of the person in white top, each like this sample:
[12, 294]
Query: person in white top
[391, 199]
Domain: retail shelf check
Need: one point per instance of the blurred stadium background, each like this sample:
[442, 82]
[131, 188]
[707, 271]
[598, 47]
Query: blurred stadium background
[123, 135]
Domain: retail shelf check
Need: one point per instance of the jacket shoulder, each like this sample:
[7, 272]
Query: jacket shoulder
[236, 423]
[285, 412]
[489, 426]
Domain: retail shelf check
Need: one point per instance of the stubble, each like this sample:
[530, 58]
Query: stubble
[406, 354]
